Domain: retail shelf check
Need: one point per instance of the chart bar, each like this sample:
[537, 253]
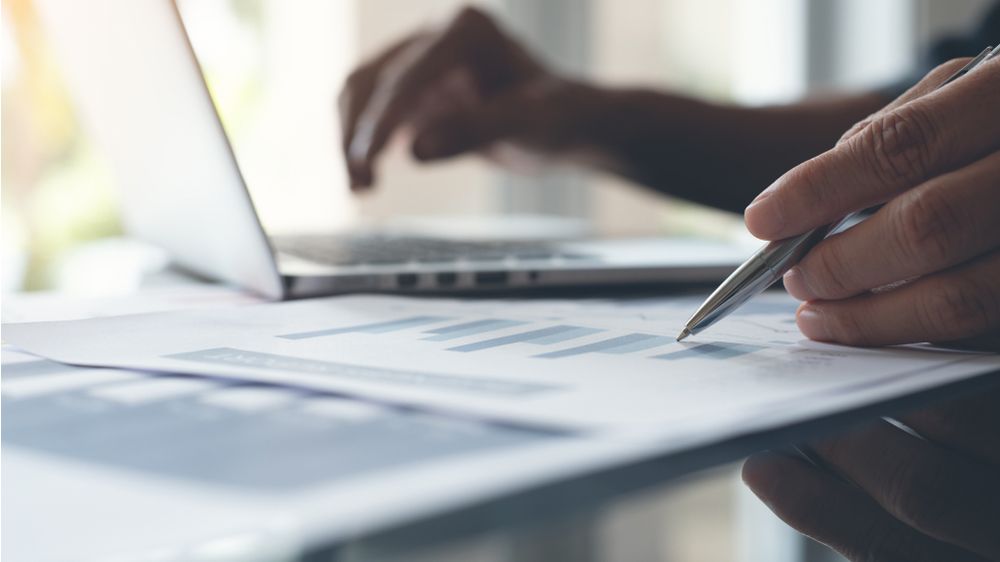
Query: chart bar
[622, 344]
[470, 328]
[376, 328]
[544, 336]
[710, 351]
[575, 332]
[247, 359]
[641, 345]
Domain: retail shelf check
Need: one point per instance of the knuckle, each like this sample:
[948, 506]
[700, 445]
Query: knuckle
[855, 129]
[353, 83]
[471, 17]
[897, 145]
[356, 77]
[941, 72]
[931, 227]
[810, 191]
[959, 307]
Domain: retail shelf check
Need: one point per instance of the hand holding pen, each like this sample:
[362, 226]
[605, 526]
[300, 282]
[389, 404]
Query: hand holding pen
[932, 157]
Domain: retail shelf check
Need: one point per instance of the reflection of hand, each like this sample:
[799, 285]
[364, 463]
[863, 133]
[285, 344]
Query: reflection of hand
[460, 89]
[934, 499]
[933, 158]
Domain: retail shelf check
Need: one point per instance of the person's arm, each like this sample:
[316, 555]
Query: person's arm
[471, 87]
[718, 155]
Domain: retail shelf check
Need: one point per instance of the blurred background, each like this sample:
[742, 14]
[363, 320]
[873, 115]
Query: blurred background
[275, 67]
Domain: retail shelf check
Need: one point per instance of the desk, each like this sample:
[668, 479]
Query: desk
[561, 519]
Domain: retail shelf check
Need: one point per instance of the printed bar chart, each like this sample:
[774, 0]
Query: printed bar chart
[376, 328]
[544, 336]
[249, 359]
[620, 345]
[710, 351]
[257, 437]
[470, 329]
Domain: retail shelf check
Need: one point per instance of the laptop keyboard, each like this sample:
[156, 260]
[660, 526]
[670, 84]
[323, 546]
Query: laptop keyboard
[388, 250]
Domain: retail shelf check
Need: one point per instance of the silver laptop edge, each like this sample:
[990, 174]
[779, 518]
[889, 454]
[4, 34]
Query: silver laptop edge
[140, 94]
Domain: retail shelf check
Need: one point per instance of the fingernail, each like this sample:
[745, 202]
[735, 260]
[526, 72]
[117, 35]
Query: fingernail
[798, 286]
[762, 216]
[812, 324]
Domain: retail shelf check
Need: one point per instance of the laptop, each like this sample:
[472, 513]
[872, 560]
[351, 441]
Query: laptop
[141, 94]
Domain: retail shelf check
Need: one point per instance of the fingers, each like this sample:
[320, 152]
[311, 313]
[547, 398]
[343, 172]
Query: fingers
[472, 129]
[472, 40]
[925, 137]
[955, 304]
[928, 84]
[948, 220]
[930, 489]
[540, 112]
[838, 514]
[354, 97]
[969, 426]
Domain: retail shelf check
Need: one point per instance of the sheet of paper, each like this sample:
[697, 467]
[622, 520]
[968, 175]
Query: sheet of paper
[600, 366]
[263, 438]
[209, 460]
[47, 306]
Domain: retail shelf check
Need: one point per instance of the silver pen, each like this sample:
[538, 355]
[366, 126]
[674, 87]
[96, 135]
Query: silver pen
[771, 262]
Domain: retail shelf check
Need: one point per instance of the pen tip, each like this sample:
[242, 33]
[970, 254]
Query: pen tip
[684, 333]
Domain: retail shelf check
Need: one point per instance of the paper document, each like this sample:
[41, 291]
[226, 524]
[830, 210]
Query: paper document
[600, 366]
[261, 438]
[283, 469]
[46, 306]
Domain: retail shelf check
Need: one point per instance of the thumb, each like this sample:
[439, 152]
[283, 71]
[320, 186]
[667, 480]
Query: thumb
[469, 129]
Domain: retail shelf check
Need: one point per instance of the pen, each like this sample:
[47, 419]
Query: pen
[772, 261]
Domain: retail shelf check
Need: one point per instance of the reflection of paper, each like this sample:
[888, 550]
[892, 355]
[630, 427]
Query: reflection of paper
[597, 365]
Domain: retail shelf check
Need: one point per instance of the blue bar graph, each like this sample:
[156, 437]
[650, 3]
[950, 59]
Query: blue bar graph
[710, 351]
[547, 336]
[544, 336]
[622, 344]
[375, 328]
[446, 333]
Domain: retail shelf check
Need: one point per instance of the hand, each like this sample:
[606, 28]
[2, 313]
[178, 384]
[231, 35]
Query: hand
[460, 89]
[933, 158]
[934, 497]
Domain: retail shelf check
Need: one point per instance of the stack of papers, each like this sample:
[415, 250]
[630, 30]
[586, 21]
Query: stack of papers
[608, 367]
[268, 429]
